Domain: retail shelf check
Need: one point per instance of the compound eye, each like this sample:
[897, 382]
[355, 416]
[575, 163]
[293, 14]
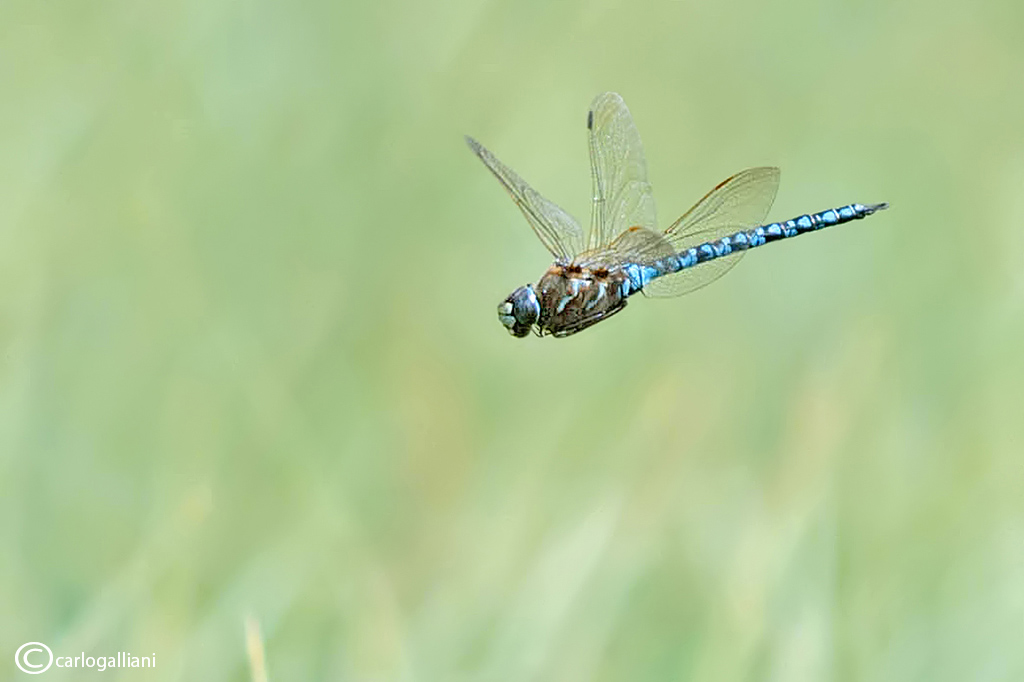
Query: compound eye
[525, 308]
[520, 311]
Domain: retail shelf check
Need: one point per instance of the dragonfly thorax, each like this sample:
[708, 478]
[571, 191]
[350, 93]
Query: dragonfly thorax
[520, 311]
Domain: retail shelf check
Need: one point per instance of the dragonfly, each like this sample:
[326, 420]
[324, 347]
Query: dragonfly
[623, 252]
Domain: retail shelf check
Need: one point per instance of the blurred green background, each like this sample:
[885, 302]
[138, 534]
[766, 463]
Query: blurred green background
[251, 365]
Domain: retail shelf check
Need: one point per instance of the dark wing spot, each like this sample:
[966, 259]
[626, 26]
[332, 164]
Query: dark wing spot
[723, 182]
[601, 272]
[574, 269]
[590, 120]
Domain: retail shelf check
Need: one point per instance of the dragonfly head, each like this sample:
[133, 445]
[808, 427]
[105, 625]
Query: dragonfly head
[520, 311]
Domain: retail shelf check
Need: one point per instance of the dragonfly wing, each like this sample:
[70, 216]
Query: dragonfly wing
[622, 194]
[557, 229]
[635, 245]
[739, 203]
[645, 247]
[743, 199]
[701, 275]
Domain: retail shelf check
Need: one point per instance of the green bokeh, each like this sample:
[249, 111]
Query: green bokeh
[251, 365]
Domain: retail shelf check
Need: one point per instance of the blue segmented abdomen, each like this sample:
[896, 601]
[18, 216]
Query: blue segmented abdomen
[641, 275]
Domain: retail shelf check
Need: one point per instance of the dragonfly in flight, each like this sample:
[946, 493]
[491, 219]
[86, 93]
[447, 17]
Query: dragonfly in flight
[623, 252]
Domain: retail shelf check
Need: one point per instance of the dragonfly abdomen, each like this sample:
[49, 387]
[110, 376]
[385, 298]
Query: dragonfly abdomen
[758, 236]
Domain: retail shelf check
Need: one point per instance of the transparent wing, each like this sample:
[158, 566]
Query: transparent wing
[738, 203]
[648, 248]
[622, 194]
[743, 199]
[559, 231]
[702, 274]
[635, 245]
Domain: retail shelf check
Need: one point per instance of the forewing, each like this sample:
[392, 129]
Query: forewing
[622, 194]
[559, 231]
